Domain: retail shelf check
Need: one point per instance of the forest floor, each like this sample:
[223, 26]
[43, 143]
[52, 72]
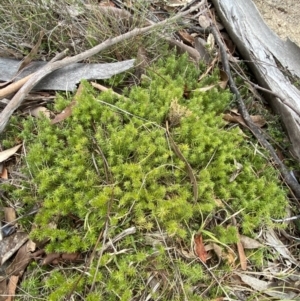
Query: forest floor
[154, 189]
[283, 17]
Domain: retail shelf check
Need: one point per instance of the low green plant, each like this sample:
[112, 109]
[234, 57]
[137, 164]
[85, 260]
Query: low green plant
[111, 165]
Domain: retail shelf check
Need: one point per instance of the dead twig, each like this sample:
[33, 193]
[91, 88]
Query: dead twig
[52, 66]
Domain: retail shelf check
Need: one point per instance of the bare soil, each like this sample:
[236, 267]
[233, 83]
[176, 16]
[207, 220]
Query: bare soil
[282, 16]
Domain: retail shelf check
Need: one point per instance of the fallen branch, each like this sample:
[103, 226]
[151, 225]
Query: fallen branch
[52, 66]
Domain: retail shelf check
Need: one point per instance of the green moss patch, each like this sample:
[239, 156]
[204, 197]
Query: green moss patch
[111, 165]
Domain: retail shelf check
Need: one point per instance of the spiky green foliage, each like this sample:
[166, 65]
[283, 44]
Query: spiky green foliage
[111, 164]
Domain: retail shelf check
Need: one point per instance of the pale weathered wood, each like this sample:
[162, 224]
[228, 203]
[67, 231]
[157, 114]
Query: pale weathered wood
[270, 59]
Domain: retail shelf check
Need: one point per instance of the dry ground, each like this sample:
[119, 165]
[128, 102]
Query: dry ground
[282, 16]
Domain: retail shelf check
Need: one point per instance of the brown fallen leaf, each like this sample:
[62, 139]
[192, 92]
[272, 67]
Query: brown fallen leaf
[234, 111]
[234, 119]
[9, 214]
[12, 286]
[4, 155]
[13, 87]
[50, 257]
[204, 21]
[56, 258]
[250, 243]
[68, 110]
[20, 262]
[199, 248]
[227, 256]
[4, 174]
[186, 37]
[65, 113]
[39, 111]
[70, 256]
[257, 119]
[242, 256]
[204, 89]
[3, 289]
[31, 246]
